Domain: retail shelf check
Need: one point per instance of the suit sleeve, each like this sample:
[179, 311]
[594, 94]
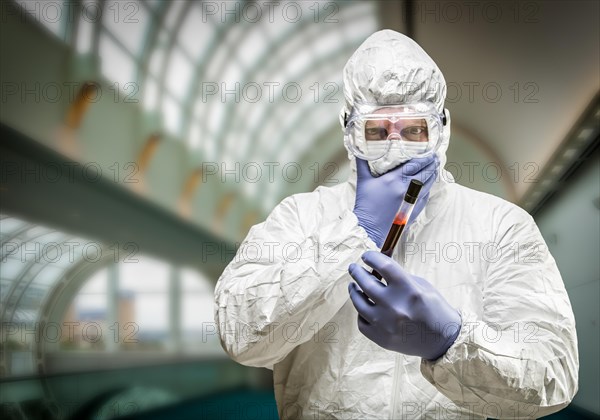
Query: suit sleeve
[286, 281]
[520, 360]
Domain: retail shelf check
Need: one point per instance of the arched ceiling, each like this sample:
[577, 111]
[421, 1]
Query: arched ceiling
[243, 83]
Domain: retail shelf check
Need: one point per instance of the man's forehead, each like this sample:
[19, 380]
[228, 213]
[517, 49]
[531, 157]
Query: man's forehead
[386, 110]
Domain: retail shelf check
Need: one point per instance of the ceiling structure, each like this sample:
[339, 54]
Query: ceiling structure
[255, 89]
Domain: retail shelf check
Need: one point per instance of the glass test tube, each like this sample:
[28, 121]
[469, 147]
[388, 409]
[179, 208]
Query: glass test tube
[400, 220]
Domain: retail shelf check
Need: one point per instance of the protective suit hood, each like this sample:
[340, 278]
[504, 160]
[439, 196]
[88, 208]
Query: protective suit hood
[390, 68]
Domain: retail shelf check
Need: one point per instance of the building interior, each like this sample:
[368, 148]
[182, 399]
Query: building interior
[141, 140]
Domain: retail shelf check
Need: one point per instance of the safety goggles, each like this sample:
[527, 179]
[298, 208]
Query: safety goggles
[409, 130]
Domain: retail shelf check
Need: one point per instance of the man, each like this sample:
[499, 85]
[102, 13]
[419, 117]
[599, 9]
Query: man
[473, 319]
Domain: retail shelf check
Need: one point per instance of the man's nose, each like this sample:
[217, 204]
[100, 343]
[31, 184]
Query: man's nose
[394, 129]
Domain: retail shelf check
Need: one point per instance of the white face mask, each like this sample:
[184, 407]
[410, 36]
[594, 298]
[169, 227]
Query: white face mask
[398, 152]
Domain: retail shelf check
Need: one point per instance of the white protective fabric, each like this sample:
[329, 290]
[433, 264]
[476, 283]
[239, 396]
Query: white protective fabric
[282, 303]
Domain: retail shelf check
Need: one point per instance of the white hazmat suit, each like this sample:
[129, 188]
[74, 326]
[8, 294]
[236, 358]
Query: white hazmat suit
[282, 303]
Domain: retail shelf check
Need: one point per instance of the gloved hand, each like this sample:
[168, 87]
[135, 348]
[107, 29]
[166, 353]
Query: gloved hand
[378, 198]
[408, 315]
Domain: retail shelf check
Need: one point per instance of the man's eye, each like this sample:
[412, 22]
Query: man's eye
[376, 132]
[415, 133]
[416, 130]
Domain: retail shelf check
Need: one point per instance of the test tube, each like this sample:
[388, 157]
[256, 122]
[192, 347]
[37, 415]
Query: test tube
[400, 220]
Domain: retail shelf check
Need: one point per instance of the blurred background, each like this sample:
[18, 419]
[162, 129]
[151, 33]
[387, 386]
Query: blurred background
[142, 139]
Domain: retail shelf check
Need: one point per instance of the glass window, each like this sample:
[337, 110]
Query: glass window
[179, 73]
[328, 42]
[214, 65]
[49, 275]
[172, 115]
[297, 63]
[175, 9]
[143, 304]
[127, 21]
[36, 231]
[280, 25]
[147, 275]
[90, 13]
[9, 225]
[5, 285]
[196, 33]
[157, 58]
[31, 302]
[251, 47]
[116, 64]
[50, 239]
[214, 118]
[197, 310]
[150, 94]
[210, 147]
[88, 316]
[11, 267]
[194, 135]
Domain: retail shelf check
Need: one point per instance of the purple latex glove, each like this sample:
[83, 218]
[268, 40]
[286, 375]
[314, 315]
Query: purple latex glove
[408, 315]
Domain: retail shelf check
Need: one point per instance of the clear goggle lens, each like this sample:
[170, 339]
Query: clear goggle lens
[411, 134]
[415, 130]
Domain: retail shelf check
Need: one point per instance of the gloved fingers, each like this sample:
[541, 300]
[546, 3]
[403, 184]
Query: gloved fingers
[391, 271]
[363, 323]
[427, 173]
[417, 168]
[428, 177]
[427, 184]
[433, 168]
[372, 287]
[362, 169]
[416, 165]
[361, 302]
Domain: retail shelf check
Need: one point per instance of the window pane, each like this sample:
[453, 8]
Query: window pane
[11, 268]
[49, 275]
[251, 47]
[90, 13]
[194, 282]
[150, 94]
[197, 312]
[197, 317]
[9, 225]
[145, 276]
[175, 8]
[196, 33]
[157, 57]
[127, 21]
[116, 65]
[87, 316]
[5, 286]
[172, 114]
[97, 283]
[143, 309]
[194, 135]
[179, 72]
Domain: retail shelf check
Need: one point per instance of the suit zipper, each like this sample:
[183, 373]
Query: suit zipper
[400, 251]
[395, 385]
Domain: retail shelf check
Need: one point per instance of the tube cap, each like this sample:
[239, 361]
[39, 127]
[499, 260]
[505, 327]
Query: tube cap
[414, 188]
